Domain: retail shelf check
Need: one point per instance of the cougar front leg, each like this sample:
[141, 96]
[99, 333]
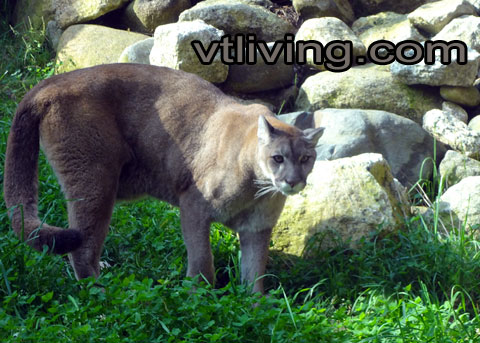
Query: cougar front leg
[254, 247]
[196, 235]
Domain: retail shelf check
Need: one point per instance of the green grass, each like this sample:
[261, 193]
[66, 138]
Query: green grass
[412, 286]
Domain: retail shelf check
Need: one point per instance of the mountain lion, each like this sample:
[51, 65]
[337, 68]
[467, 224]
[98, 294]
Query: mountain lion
[122, 131]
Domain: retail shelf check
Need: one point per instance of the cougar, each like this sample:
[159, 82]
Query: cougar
[123, 131]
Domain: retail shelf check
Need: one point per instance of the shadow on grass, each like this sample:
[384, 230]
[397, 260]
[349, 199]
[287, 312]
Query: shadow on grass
[415, 258]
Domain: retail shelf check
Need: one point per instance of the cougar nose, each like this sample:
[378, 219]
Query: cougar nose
[290, 183]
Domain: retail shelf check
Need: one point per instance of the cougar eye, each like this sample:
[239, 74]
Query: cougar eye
[304, 159]
[278, 158]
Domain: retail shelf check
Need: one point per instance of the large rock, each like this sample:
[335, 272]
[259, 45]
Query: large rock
[433, 17]
[465, 28]
[258, 77]
[34, 12]
[70, 12]
[468, 96]
[349, 132]
[455, 167]
[453, 132]
[239, 17]
[455, 110]
[172, 49]
[146, 15]
[325, 30]
[85, 45]
[460, 204]
[438, 74]
[366, 87]
[367, 7]
[138, 52]
[308, 9]
[389, 26]
[346, 199]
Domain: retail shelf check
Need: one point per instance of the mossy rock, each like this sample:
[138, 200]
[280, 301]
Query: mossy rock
[366, 87]
[84, 45]
[349, 197]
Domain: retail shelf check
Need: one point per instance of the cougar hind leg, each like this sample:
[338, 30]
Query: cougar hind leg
[90, 199]
[91, 215]
[89, 176]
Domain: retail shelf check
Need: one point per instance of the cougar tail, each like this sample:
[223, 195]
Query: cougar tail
[21, 184]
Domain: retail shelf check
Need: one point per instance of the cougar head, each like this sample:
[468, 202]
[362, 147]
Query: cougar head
[286, 157]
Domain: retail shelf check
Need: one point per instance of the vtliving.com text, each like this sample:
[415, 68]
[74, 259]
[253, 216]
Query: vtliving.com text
[336, 55]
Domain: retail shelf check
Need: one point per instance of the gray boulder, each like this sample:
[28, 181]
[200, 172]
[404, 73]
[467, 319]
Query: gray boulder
[172, 49]
[235, 16]
[401, 141]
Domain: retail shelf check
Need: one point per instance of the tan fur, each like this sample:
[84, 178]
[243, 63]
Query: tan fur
[123, 131]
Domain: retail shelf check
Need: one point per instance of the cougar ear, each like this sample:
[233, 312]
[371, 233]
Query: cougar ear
[313, 135]
[265, 130]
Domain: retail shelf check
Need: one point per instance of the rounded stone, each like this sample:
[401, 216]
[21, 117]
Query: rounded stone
[468, 96]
